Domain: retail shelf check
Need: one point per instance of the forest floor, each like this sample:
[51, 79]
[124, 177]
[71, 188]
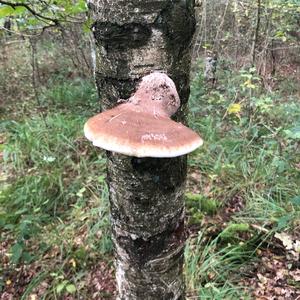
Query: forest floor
[242, 198]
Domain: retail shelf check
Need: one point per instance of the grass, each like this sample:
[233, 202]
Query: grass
[50, 202]
[248, 160]
[77, 95]
[54, 199]
[211, 269]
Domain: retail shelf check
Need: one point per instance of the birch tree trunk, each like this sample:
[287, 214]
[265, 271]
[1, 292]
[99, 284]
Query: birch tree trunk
[133, 38]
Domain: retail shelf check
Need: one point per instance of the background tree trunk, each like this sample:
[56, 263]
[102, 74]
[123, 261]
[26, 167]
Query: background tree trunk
[256, 33]
[133, 38]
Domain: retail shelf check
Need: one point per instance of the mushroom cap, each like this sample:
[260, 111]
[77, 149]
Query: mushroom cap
[157, 93]
[130, 130]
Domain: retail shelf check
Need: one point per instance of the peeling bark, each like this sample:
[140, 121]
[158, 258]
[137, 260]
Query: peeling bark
[133, 38]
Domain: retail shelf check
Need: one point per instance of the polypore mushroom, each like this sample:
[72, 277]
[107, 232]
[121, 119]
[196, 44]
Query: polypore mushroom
[142, 127]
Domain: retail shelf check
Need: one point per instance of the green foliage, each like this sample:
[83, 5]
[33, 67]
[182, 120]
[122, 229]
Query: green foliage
[8, 11]
[211, 271]
[293, 133]
[77, 96]
[200, 202]
[57, 198]
[37, 14]
[249, 162]
[232, 230]
[285, 16]
[52, 165]
[37, 142]
[65, 286]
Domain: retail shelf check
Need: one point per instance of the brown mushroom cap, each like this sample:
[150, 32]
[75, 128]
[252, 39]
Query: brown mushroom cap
[125, 129]
[142, 127]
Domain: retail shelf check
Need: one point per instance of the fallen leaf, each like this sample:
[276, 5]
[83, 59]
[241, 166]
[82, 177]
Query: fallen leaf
[295, 275]
[262, 279]
[285, 239]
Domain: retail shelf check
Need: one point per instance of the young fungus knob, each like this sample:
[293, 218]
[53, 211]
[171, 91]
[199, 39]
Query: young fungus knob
[142, 126]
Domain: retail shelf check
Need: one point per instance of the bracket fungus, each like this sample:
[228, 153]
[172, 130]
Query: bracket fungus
[142, 126]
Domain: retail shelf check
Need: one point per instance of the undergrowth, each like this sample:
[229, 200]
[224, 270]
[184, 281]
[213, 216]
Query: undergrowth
[54, 199]
[250, 164]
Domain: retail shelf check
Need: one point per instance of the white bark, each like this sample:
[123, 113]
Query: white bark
[134, 38]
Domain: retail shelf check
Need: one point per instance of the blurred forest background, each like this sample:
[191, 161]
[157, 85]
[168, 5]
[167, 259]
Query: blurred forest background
[243, 189]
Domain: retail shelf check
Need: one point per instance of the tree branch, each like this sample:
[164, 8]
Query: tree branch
[35, 13]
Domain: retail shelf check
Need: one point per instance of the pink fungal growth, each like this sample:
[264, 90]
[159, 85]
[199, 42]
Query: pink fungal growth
[142, 126]
[157, 93]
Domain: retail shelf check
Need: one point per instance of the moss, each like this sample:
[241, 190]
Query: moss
[195, 217]
[232, 230]
[196, 203]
